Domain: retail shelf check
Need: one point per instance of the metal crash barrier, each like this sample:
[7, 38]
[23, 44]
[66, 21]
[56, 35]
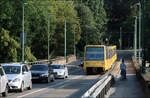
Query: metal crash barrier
[100, 88]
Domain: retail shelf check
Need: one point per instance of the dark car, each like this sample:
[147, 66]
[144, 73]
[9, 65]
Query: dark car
[42, 72]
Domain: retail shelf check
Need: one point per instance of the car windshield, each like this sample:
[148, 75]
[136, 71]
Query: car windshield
[57, 67]
[12, 69]
[39, 67]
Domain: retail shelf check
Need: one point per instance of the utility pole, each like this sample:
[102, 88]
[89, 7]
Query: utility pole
[65, 40]
[48, 37]
[75, 43]
[120, 38]
[139, 31]
[135, 37]
[142, 32]
[23, 31]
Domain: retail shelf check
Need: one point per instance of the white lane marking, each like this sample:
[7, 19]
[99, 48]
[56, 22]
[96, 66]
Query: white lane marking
[77, 77]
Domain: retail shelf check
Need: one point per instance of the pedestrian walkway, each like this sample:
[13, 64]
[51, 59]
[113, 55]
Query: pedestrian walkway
[129, 88]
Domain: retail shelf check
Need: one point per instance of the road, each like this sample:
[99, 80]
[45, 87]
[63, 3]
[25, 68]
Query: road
[73, 87]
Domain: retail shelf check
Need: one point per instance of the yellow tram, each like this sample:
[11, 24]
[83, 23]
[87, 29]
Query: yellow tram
[99, 58]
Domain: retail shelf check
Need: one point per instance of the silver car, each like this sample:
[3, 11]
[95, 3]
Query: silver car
[19, 76]
[60, 70]
[3, 83]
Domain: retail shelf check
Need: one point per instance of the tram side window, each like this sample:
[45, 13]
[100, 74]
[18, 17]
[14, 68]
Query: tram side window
[107, 53]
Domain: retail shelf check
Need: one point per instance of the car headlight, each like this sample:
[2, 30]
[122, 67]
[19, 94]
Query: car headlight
[16, 80]
[44, 75]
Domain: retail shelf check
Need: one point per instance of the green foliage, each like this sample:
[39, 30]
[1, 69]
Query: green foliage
[64, 11]
[85, 24]
[29, 56]
[119, 14]
[93, 20]
[146, 35]
[8, 47]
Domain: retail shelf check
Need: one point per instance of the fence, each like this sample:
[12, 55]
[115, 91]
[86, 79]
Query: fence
[144, 78]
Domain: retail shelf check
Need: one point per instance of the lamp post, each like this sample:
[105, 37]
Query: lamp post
[74, 44]
[139, 4]
[142, 33]
[120, 38]
[135, 37]
[48, 36]
[65, 39]
[139, 30]
[23, 31]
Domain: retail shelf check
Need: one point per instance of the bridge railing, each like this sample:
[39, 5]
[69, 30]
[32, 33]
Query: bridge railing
[57, 60]
[144, 78]
[100, 88]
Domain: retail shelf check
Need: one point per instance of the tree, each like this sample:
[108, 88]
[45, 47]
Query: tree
[8, 47]
[119, 14]
[93, 20]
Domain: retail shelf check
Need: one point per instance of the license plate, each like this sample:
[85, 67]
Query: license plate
[35, 77]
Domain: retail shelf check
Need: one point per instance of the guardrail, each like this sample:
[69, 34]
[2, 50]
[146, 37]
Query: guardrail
[58, 60]
[100, 88]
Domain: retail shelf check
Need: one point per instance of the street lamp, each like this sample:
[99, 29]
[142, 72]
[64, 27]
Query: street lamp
[48, 36]
[120, 38]
[74, 44]
[48, 33]
[135, 37]
[139, 4]
[142, 31]
[65, 39]
[23, 31]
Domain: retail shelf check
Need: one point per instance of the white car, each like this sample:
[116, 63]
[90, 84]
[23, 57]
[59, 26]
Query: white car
[19, 76]
[3, 83]
[60, 70]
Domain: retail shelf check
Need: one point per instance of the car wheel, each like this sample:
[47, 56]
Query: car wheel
[30, 86]
[66, 76]
[4, 94]
[22, 87]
